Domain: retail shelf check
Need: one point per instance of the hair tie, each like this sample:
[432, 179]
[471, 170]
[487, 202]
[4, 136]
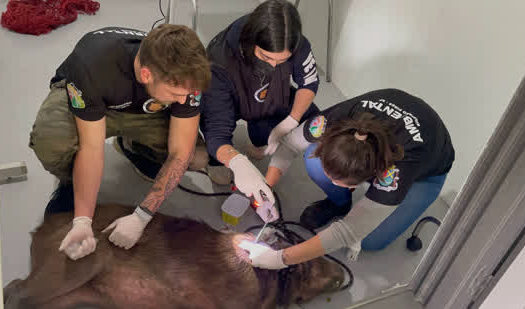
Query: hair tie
[360, 137]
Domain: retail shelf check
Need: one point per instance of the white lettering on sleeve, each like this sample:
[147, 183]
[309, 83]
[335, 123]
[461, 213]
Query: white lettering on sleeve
[417, 138]
[308, 59]
[389, 110]
[310, 79]
[309, 65]
[396, 115]
[411, 122]
[309, 69]
[379, 106]
[121, 31]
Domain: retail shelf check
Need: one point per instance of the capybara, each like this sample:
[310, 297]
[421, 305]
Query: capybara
[177, 263]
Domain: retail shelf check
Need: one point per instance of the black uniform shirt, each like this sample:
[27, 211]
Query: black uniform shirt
[427, 146]
[100, 76]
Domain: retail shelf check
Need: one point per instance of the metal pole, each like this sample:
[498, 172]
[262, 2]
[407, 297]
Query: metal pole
[329, 42]
[195, 14]
[168, 13]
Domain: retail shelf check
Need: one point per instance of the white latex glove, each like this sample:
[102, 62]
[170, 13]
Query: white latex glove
[267, 211]
[263, 256]
[128, 229]
[249, 180]
[283, 128]
[79, 241]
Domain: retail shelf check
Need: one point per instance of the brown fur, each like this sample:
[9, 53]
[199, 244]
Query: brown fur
[178, 263]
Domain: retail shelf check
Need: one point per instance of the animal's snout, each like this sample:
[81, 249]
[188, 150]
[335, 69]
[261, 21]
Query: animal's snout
[341, 278]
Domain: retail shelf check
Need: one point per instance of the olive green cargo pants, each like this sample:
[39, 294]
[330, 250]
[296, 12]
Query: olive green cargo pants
[54, 137]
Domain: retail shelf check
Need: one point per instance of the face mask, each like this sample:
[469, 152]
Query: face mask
[262, 68]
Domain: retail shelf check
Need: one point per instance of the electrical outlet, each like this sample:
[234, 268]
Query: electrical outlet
[13, 172]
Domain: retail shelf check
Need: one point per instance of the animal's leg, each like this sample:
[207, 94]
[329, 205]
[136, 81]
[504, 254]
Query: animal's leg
[11, 293]
[82, 298]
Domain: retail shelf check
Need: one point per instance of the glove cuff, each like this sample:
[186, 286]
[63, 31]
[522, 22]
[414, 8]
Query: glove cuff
[292, 120]
[82, 220]
[236, 160]
[280, 259]
[143, 215]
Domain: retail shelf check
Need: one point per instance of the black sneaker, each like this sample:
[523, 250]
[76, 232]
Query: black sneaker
[146, 168]
[62, 199]
[322, 212]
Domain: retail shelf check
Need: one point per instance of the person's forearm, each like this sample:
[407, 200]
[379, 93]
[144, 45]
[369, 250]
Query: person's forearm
[302, 101]
[87, 176]
[225, 153]
[166, 181]
[365, 216]
[291, 146]
[303, 252]
[273, 175]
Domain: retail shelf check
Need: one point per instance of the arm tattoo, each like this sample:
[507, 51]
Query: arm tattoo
[167, 179]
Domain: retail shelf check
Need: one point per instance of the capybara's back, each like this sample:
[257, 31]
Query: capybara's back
[177, 263]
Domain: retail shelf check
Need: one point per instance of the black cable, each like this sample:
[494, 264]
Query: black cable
[204, 193]
[156, 22]
[185, 189]
[422, 222]
[160, 8]
[289, 236]
[162, 13]
[280, 225]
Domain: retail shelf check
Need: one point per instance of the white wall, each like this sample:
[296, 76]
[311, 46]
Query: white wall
[465, 58]
[508, 293]
[1, 283]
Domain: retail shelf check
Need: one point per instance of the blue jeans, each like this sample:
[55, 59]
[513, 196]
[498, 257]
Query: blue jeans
[419, 197]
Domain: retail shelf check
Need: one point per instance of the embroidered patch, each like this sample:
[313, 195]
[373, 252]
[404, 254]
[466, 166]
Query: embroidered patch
[194, 99]
[262, 93]
[75, 96]
[318, 126]
[389, 181]
[152, 106]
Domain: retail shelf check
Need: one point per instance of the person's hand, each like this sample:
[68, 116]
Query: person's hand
[128, 229]
[283, 128]
[79, 241]
[262, 256]
[267, 211]
[249, 180]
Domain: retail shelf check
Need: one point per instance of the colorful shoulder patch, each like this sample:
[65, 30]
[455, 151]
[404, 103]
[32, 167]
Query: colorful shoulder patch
[389, 181]
[194, 99]
[318, 126]
[75, 96]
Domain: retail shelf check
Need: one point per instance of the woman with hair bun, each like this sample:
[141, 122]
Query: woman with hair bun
[388, 138]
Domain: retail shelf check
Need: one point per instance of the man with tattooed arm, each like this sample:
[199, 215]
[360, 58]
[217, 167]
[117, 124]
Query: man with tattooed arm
[144, 89]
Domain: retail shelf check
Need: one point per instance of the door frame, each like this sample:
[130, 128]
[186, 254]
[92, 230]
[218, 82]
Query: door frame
[437, 276]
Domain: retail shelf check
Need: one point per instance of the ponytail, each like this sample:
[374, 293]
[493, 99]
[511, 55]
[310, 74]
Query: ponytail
[356, 150]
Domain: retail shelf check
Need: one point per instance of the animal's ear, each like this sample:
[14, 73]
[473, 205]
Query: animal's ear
[275, 239]
[279, 244]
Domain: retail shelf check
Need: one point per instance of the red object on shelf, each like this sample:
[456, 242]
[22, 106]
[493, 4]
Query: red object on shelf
[42, 16]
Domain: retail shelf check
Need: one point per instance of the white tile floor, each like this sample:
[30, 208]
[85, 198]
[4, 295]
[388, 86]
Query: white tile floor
[29, 62]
